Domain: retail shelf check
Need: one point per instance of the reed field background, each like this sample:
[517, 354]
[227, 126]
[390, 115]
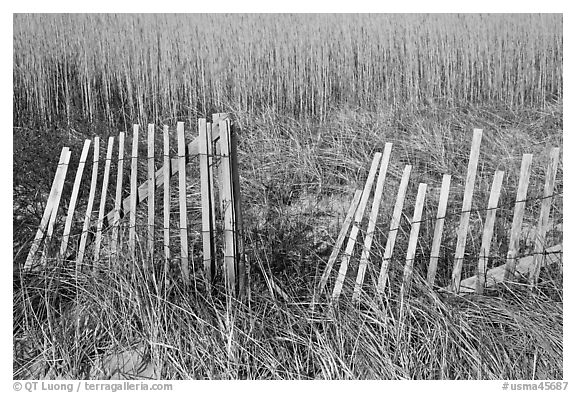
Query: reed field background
[312, 97]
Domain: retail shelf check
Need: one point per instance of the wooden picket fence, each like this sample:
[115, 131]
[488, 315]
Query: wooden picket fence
[216, 149]
[485, 277]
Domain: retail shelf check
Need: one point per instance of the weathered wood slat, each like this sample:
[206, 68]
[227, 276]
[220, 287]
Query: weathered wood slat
[413, 240]
[466, 206]
[118, 198]
[91, 195]
[519, 207]
[207, 244]
[355, 227]
[47, 211]
[372, 221]
[339, 241]
[238, 219]
[488, 230]
[74, 198]
[103, 196]
[544, 215]
[438, 229]
[133, 195]
[151, 196]
[57, 196]
[394, 226]
[182, 201]
[166, 199]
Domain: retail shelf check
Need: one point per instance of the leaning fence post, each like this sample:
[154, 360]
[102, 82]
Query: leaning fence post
[394, 226]
[92, 194]
[438, 229]
[355, 227]
[238, 220]
[103, 196]
[544, 215]
[74, 197]
[47, 211]
[339, 242]
[372, 221]
[466, 206]
[518, 216]
[488, 231]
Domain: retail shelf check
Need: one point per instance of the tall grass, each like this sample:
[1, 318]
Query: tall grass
[123, 68]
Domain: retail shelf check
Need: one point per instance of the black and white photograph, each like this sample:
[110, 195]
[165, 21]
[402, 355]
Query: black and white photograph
[287, 196]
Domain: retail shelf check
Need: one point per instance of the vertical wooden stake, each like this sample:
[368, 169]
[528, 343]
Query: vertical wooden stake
[466, 206]
[540, 241]
[166, 172]
[394, 226]
[91, 195]
[133, 193]
[355, 227]
[372, 221]
[413, 241]
[207, 246]
[228, 206]
[183, 210]
[47, 211]
[74, 198]
[488, 231]
[339, 241]
[151, 196]
[519, 206]
[210, 153]
[438, 228]
[118, 197]
[103, 196]
[238, 220]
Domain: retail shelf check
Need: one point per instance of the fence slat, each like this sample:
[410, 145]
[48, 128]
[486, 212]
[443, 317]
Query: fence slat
[47, 212]
[182, 200]
[394, 226]
[519, 207]
[91, 195]
[151, 196]
[540, 241]
[166, 199]
[372, 221]
[413, 239]
[466, 205]
[103, 196]
[118, 197]
[339, 240]
[133, 195]
[488, 230]
[438, 229]
[207, 245]
[57, 196]
[211, 190]
[355, 227]
[228, 206]
[74, 198]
